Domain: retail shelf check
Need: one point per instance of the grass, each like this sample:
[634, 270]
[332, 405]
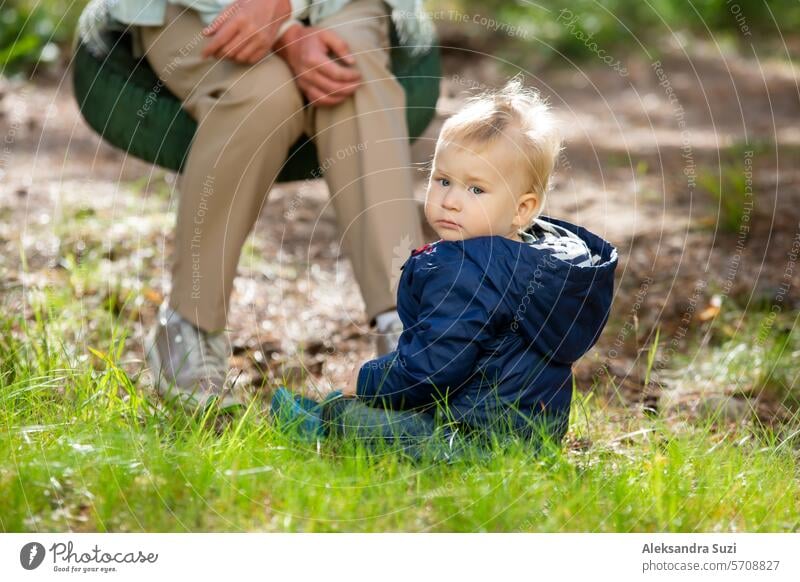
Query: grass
[581, 29]
[730, 185]
[751, 352]
[33, 33]
[36, 33]
[85, 449]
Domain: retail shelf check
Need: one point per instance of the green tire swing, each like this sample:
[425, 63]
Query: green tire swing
[123, 100]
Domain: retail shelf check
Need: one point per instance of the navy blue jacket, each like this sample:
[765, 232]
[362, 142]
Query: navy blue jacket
[492, 326]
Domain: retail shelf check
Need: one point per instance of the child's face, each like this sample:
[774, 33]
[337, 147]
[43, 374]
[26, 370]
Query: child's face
[478, 190]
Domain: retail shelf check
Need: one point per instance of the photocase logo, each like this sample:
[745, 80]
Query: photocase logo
[31, 555]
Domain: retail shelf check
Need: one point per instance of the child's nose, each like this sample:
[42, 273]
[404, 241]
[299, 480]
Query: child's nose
[451, 200]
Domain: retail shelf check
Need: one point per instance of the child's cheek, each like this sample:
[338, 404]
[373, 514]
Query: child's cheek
[428, 204]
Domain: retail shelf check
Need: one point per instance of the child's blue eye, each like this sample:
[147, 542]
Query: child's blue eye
[476, 190]
[443, 181]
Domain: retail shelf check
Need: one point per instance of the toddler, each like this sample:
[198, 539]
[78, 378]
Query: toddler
[495, 312]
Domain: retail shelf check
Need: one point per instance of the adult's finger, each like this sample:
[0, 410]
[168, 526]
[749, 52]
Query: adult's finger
[238, 44]
[243, 39]
[337, 72]
[338, 45]
[317, 98]
[254, 58]
[239, 52]
[221, 38]
[330, 86]
[233, 45]
[251, 53]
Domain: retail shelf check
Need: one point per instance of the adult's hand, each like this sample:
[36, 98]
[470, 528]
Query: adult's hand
[245, 31]
[324, 79]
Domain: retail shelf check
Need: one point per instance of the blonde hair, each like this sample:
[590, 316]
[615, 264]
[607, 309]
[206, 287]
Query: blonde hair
[490, 115]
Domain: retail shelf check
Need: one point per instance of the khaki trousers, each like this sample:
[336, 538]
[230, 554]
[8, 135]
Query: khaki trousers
[248, 117]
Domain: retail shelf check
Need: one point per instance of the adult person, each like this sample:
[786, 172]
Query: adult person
[243, 70]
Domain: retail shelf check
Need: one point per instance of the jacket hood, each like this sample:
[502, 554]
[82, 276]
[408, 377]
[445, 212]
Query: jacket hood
[559, 307]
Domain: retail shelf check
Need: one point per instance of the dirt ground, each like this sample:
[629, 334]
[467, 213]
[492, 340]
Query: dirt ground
[296, 308]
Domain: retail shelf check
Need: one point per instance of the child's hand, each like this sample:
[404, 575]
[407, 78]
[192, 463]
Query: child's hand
[349, 389]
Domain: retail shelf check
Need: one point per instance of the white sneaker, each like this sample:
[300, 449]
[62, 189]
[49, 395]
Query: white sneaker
[389, 327]
[189, 365]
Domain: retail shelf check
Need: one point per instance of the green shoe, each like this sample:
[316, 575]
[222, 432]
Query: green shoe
[298, 415]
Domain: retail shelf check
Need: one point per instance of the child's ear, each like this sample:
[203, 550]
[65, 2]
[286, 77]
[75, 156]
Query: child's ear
[527, 205]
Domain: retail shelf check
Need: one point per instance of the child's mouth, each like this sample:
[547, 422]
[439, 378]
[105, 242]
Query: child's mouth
[448, 224]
